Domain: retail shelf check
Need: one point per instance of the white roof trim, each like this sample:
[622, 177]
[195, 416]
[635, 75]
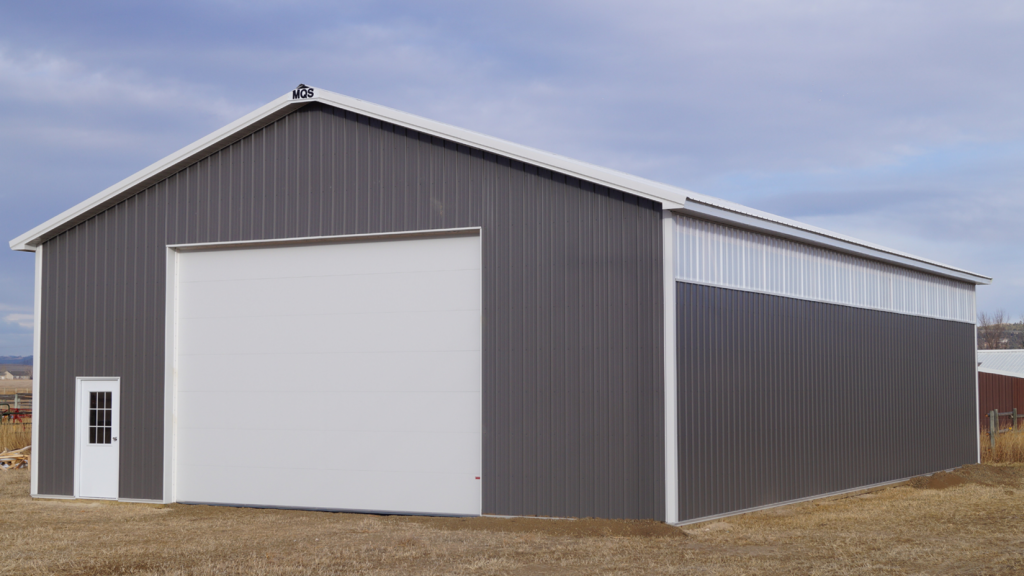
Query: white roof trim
[670, 197]
[1004, 362]
[743, 217]
[1000, 372]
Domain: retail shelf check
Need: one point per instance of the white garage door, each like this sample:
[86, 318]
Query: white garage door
[336, 376]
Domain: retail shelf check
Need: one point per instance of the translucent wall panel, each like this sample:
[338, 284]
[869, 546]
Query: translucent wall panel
[717, 255]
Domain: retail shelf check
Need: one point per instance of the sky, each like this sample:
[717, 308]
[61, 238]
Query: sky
[899, 123]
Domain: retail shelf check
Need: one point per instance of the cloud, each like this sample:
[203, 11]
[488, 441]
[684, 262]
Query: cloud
[42, 77]
[674, 91]
[16, 328]
[16, 316]
[22, 320]
[895, 122]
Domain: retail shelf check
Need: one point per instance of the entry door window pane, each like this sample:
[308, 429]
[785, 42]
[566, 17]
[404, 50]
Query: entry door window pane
[99, 417]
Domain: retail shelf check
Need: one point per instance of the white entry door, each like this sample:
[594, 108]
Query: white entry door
[99, 403]
[339, 376]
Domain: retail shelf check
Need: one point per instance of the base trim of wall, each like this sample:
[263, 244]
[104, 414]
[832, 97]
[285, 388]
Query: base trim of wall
[805, 499]
[323, 509]
[504, 516]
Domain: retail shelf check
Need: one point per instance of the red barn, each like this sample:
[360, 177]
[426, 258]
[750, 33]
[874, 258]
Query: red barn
[1000, 383]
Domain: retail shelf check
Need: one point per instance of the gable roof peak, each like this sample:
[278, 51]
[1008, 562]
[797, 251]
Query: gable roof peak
[670, 197]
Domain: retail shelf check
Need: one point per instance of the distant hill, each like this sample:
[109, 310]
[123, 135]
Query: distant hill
[19, 360]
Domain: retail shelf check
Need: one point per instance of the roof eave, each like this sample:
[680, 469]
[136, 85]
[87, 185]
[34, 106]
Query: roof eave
[700, 209]
[668, 196]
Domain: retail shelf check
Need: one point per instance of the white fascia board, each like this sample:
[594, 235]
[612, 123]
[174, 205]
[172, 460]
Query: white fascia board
[742, 217]
[668, 196]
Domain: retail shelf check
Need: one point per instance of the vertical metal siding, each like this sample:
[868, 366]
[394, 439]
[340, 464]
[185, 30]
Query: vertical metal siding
[572, 301]
[718, 255]
[781, 398]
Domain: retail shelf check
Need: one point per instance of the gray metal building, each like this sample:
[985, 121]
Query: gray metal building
[462, 325]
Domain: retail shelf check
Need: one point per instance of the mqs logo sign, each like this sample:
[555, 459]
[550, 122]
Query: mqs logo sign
[302, 92]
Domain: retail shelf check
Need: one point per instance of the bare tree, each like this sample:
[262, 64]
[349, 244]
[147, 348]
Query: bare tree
[993, 332]
[1017, 334]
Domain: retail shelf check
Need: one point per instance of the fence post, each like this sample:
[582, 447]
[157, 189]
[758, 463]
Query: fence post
[17, 401]
[993, 429]
[1014, 415]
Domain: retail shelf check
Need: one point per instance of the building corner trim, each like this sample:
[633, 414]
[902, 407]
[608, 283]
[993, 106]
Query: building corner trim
[36, 344]
[668, 235]
[977, 399]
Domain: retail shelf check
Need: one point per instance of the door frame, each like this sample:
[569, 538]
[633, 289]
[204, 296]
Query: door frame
[170, 492]
[78, 428]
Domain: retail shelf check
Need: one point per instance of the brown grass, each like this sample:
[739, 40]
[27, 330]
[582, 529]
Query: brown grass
[966, 522]
[8, 387]
[1009, 447]
[15, 435]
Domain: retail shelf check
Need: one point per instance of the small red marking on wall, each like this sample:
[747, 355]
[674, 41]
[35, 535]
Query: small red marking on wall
[477, 477]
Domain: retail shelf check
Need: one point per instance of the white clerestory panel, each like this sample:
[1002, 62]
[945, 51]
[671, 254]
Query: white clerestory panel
[717, 255]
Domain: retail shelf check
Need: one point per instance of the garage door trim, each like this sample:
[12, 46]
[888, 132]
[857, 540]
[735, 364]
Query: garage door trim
[171, 317]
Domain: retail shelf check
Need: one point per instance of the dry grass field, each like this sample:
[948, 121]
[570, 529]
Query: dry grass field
[1009, 447]
[8, 387]
[965, 522]
[14, 436]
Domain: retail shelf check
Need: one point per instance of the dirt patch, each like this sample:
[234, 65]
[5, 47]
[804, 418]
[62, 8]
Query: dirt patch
[991, 475]
[698, 529]
[938, 481]
[584, 527]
